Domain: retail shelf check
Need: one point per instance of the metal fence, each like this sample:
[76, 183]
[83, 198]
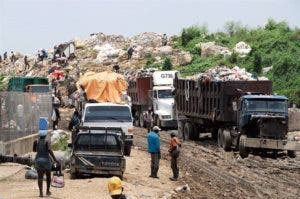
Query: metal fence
[20, 113]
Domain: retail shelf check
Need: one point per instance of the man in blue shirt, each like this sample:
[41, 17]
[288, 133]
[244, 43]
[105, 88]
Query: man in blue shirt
[154, 150]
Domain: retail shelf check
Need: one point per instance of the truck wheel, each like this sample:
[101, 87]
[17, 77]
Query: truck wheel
[195, 134]
[214, 134]
[188, 131]
[244, 151]
[291, 154]
[220, 138]
[142, 122]
[137, 121]
[127, 150]
[73, 176]
[226, 140]
[180, 126]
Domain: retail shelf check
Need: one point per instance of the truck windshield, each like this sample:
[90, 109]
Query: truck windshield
[108, 113]
[165, 94]
[266, 105]
[86, 142]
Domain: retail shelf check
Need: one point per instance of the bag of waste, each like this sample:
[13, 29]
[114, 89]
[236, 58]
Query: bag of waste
[31, 174]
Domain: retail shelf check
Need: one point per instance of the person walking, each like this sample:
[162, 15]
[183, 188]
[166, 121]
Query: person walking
[130, 52]
[5, 56]
[164, 40]
[149, 119]
[174, 151]
[13, 57]
[74, 125]
[55, 116]
[26, 62]
[154, 150]
[43, 163]
[115, 188]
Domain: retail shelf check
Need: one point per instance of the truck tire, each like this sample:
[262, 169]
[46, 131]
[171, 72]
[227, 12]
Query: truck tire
[157, 121]
[291, 154]
[137, 120]
[188, 131]
[180, 126]
[220, 138]
[127, 150]
[195, 134]
[73, 176]
[142, 122]
[244, 151]
[214, 133]
[226, 140]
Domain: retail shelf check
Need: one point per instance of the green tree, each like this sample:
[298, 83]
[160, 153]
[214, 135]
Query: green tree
[184, 39]
[257, 63]
[233, 58]
[167, 65]
[231, 27]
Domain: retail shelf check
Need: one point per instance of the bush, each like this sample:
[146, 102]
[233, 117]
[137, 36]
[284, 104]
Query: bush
[257, 66]
[167, 65]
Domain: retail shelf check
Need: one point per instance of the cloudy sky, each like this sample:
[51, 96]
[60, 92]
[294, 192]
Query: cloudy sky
[28, 25]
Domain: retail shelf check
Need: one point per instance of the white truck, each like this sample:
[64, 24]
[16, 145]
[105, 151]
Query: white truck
[153, 90]
[110, 115]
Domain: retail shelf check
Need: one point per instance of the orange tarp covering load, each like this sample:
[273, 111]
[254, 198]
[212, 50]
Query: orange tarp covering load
[104, 87]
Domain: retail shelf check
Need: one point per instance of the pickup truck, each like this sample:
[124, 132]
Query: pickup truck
[98, 151]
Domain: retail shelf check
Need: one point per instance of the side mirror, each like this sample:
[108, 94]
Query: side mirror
[70, 145]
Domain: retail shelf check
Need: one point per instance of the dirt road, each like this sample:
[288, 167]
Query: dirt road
[137, 184]
[209, 171]
[213, 173]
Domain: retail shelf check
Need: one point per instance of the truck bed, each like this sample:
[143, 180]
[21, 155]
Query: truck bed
[138, 90]
[213, 100]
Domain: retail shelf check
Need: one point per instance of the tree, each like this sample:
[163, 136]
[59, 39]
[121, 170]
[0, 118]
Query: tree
[184, 39]
[231, 27]
[167, 65]
[257, 63]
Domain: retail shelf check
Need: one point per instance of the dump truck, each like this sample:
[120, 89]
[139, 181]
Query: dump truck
[105, 104]
[153, 90]
[241, 115]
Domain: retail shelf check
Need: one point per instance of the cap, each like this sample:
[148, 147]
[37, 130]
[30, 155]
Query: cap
[156, 128]
[114, 186]
[173, 133]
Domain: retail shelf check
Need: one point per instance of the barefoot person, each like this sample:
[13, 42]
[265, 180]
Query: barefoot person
[42, 161]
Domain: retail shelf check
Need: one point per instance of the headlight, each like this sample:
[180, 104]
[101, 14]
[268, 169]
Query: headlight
[166, 116]
[129, 136]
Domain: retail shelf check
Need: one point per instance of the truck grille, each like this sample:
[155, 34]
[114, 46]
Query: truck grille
[98, 161]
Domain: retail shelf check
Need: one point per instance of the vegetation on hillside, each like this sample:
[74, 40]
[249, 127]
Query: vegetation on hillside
[276, 44]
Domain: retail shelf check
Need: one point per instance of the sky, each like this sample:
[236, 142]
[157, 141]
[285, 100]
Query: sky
[29, 25]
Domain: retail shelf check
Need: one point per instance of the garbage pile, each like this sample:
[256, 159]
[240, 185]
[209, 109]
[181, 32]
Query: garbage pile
[223, 73]
[133, 75]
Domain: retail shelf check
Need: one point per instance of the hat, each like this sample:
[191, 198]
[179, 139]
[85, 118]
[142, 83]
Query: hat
[114, 186]
[156, 128]
[173, 133]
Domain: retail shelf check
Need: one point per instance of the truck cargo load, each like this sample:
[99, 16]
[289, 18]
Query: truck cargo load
[103, 87]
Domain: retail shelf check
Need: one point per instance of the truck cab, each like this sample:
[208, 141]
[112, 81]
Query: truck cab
[163, 99]
[263, 123]
[98, 151]
[110, 115]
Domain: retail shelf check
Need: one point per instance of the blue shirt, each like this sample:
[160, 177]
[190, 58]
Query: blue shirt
[153, 142]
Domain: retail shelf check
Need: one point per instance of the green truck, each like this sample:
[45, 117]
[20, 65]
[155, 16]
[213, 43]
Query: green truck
[29, 84]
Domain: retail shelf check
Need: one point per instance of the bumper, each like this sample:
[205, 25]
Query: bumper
[272, 144]
[168, 123]
[98, 171]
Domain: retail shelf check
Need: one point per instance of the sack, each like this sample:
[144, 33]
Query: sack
[58, 180]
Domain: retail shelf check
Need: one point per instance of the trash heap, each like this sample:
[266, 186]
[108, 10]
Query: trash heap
[223, 73]
[133, 75]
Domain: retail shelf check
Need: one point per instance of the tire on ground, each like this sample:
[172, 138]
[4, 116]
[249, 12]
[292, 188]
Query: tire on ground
[226, 140]
[244, 151]
[220, 138]
[142, 122]
[188, 131]
[127, 150]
